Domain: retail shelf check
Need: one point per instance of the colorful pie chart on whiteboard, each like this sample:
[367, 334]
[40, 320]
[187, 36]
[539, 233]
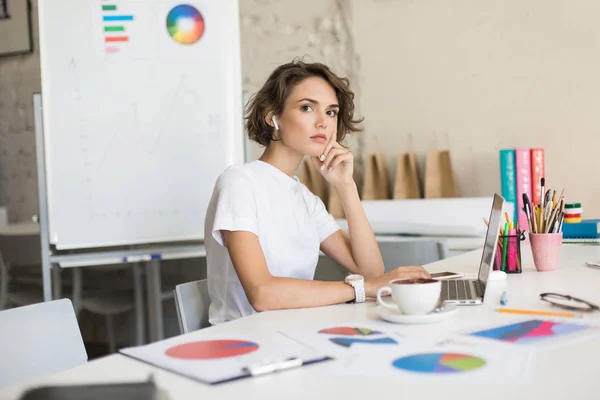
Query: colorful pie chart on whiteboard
[439, 363]
[185, 24]
[211, 349]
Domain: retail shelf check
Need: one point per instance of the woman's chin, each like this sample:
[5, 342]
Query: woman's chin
[314, 150]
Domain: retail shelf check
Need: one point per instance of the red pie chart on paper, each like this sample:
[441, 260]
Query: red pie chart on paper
[350, 331]
[211, 349]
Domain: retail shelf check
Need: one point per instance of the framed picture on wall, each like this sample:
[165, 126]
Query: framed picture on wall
[15, 27]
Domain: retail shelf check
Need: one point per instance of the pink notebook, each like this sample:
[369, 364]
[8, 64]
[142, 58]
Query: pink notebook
[523, 179]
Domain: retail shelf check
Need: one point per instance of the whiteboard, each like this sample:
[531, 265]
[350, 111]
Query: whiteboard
[142, 111]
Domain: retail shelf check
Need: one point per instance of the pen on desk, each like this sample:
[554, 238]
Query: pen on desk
[542, 198]
[550, 224]
[547, 210]
[562, 216]
[272, 366]
[528, 211]
[548, 199]
[519, 233]
[532, 211]
[558, 216]
[141, 257]
[504, 245]
[535, 312]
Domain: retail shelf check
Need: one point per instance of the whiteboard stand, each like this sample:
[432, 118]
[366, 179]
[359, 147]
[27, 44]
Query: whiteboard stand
[42, 200]
[52, 262]
[153, 285]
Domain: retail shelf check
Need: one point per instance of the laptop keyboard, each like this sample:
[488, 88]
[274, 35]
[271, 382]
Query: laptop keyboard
[456, 290]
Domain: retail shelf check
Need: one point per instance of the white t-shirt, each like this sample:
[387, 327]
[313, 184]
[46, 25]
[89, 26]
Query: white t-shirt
[288, 219]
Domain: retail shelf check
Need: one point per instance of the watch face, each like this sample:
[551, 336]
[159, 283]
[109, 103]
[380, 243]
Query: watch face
[354, 278]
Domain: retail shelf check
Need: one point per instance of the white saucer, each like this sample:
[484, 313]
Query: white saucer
[389, 315]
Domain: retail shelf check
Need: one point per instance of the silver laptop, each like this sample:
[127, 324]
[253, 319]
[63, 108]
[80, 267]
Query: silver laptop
[472, 291]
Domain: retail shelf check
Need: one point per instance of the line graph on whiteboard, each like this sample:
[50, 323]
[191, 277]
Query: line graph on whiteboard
[150, 143]
[139, 136]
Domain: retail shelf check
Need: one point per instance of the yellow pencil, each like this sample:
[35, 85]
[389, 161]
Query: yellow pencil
[534, 312]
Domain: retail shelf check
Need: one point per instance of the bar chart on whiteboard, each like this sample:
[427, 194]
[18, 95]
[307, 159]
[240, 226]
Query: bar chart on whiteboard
[142, 112]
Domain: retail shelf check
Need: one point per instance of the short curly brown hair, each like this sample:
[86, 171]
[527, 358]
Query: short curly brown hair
[272, 96]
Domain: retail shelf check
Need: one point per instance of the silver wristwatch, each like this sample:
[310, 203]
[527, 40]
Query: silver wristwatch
[358, 283]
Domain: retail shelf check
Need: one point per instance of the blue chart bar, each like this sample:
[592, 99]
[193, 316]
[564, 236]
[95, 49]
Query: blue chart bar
[118, 18]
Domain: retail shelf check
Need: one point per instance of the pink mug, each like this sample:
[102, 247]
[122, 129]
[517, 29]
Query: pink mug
[545, 248]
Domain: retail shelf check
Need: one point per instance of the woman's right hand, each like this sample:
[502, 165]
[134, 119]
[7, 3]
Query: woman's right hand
[371, 285]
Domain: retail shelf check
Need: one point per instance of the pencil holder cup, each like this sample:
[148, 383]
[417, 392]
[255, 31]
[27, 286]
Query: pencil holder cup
[545, 248]
[509, 261]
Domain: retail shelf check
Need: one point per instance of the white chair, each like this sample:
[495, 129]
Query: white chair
[192, 302]
[39, 339]
[395, 253]
[329, 270]
[109, 303]
[20, 249]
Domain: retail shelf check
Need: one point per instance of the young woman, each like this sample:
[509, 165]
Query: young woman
[264, 229]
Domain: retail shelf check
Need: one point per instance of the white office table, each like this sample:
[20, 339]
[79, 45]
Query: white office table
[559, 373]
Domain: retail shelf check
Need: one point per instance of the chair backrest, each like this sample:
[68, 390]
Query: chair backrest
[329, 270]
[39, 339]
[192, 302]
[411, 252]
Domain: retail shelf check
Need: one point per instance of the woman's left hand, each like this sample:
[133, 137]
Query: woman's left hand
[336, 163]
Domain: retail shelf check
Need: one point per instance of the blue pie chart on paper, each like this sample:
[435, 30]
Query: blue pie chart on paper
[439, 363]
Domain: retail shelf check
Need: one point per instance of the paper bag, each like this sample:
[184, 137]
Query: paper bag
[439, 176]
[407, 184]
[376, 182]
[314, 181]
[334, 206]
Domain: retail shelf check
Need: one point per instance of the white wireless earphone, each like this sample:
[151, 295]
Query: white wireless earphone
[275, 122]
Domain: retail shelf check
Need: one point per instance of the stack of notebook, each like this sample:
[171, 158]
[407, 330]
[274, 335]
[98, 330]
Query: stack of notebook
[586, 231]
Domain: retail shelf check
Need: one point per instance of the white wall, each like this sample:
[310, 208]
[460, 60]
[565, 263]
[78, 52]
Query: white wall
[488, 74]
[275, 32]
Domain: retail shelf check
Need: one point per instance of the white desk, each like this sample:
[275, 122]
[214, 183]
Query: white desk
[560, 373]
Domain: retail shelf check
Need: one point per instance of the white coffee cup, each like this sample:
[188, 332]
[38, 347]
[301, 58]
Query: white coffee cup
[412, 296]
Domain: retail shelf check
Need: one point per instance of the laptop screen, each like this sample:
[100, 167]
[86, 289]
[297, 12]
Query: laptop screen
[491, 240]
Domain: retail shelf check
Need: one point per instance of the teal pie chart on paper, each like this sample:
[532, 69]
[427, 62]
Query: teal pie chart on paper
[439, 363]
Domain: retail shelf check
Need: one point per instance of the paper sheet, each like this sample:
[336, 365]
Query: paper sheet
[380, 350]
[454, 360]
[345, 340]
[215, 358]
[538, 333]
